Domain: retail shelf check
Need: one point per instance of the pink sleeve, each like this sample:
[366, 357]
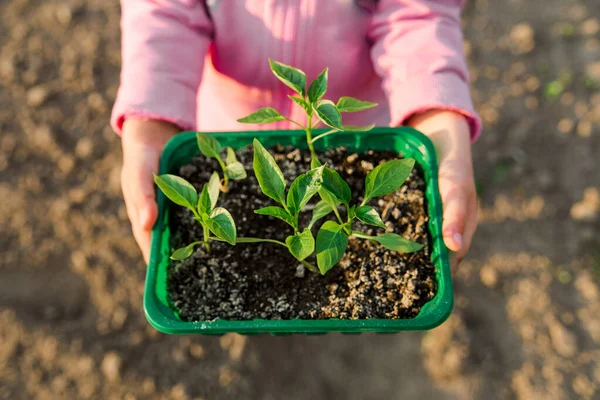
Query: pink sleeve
[164, 43]
[418, 51]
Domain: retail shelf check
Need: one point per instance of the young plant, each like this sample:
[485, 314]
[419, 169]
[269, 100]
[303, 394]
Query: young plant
[332, 237]
[213, 219]
[272, 183]
[232, 168]
[312, 102]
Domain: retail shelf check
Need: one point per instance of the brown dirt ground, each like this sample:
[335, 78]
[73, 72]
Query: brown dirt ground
[527, 318]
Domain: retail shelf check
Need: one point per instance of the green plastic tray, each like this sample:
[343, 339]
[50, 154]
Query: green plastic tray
[410, 143]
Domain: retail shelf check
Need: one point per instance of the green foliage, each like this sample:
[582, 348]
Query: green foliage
[396, 242]
[322, 209]
[303, 189]
[387, 177]
[264, 115]
[318, 87]
[211, 148]
[328, 114]
[335, 193]
[301, 245]
[222, 225]
[290, 76]
[336, 186]
[277, 212]
[178, 190]
[350, 104]
[369, 216]
[331, 245]
[269, 176]
[184, 252]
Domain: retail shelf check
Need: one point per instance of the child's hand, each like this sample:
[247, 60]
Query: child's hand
[142, 142]
[450, 134]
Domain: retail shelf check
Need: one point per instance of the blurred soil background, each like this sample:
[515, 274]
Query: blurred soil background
[527, 319]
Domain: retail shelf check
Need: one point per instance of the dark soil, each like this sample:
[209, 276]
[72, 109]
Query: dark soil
[265, 281]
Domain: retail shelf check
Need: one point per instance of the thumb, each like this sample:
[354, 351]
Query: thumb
[455, 201]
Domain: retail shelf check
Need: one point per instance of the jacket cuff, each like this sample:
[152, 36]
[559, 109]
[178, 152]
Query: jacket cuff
[170, 101]
[440, 91]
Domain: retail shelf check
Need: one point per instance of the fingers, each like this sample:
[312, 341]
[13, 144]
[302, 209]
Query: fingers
[142, 144]
[138, 191]
[450, 133]
[457, 190]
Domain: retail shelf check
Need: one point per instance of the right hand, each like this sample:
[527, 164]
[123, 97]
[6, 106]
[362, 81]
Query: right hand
[142, 141]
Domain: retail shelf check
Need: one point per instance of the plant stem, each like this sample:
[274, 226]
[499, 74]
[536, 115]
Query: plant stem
[310, 266]
[321, 136]
[361, 235]
[337, 214]
[206, 237]
[294, 122]
[259, 240]
[251, 240]
[309, 127]
[225, 177]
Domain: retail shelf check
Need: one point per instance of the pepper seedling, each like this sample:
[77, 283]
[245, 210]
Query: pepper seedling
[312, 102]
[232, 168]
[272, 183]
[213, 219]
[332, 237]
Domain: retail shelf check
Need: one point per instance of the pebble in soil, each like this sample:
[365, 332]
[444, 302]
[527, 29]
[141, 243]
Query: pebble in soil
[264, 281]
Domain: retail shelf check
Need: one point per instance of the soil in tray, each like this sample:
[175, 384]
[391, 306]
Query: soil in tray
[263, 280]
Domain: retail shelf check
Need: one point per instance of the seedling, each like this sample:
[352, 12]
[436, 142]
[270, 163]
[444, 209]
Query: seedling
[232, 168]
[272, 183]
[215, 220]
[312, 102]
[332, 237]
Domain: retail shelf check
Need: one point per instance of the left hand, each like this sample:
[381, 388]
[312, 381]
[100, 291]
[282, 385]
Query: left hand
[450, 133]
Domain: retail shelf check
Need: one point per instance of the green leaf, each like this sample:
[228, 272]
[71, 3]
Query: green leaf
[268, 174]
[322, 209]
[214, 187]
[387, 177]
[231, 157]
[328, 113]
[315, 163]
[301, 102]
[331, 245]
[290, 76]
[264, 115]
[334, 184]
[209, 146]
[301, 245]
[350, 104]
[204, 201]
[236, 171]
[303, 189]
[329, 198]
[222, 225]
[396, 242]
[184, 252]
[348, 128]
[318, 87]
[369, 216]
[178, 190]
[277, 212]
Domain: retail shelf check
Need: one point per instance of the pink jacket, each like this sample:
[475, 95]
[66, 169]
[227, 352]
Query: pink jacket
[202, 64]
